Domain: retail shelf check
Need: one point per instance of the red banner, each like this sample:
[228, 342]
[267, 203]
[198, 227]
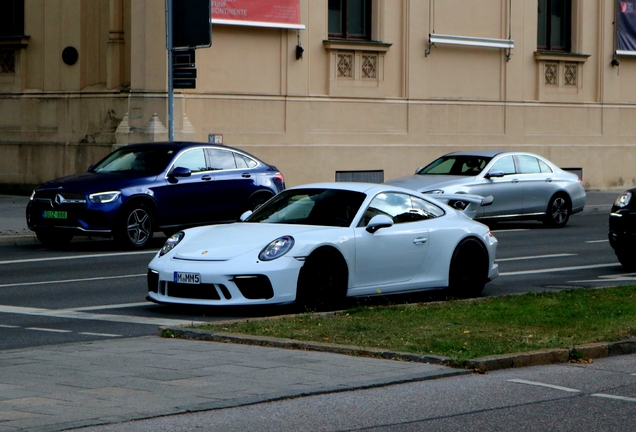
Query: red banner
[259, 13]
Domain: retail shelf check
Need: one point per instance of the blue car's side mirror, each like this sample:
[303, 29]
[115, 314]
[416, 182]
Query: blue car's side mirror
[180, 172]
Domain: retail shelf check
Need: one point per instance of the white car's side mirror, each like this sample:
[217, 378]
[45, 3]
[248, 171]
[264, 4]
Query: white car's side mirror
[245, 215]
[379, 221]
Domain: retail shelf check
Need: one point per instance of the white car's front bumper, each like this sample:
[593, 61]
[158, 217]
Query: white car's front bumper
[236, 282]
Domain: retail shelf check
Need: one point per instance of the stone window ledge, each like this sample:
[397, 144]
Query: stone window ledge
[345, 45]
[561, 57]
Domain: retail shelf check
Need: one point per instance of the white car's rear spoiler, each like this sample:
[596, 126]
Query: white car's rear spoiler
[474, 202]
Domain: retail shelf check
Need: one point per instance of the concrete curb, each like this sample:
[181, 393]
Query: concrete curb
[581, 353]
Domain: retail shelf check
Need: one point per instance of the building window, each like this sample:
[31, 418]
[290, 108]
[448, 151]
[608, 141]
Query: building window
[555, 24]
[350, 19]
[11, 18]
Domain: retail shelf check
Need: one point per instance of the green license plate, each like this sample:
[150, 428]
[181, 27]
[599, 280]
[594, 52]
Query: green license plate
[52, 214]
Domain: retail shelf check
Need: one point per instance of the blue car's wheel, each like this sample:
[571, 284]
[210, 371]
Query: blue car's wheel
[135, 227]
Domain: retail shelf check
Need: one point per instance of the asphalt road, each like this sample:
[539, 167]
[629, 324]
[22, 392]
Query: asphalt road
[566, 397]
[93, 291]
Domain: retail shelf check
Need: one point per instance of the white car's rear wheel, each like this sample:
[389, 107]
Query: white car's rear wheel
[468, 269]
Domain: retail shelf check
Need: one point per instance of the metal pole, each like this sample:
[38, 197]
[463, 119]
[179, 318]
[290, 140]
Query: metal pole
[170, 48]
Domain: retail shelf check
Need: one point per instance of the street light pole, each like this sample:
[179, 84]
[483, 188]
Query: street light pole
[170, 48]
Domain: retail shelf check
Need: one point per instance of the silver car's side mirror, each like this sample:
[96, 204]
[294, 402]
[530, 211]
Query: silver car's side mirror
[377, 222]
[246, 215]
[494, 173]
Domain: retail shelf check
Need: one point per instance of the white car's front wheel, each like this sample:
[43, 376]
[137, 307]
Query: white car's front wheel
[322, 282]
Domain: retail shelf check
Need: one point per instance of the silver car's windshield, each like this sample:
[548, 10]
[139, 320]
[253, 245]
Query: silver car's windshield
[143, 161]
[326, 207]
[457, 165]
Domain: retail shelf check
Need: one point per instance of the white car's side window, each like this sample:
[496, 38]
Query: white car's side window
[401, 208]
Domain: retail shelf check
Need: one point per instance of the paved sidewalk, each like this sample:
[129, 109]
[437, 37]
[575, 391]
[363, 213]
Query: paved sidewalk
[59, 387]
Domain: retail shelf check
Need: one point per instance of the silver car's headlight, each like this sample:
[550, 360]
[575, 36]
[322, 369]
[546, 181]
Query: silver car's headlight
[104, 197]
[171, 243]
[277, 248]
[623, 200]
[434, 192]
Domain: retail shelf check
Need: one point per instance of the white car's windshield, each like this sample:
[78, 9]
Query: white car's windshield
[328, 207]
[460, 165]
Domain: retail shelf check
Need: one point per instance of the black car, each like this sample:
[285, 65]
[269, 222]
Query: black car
[142, 188]
[622, 229]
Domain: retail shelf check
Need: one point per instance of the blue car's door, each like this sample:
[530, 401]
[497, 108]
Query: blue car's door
[234, 182]
[185, 200]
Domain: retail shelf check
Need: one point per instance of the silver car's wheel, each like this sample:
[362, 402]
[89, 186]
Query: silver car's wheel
[468, 272]
[322, 282]
[135, 227]
[558, 212]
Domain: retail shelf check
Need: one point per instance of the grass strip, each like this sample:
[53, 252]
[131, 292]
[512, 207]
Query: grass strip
[465, 329]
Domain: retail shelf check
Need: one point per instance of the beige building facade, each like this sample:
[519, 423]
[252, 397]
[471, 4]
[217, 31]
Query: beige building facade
[423, 78]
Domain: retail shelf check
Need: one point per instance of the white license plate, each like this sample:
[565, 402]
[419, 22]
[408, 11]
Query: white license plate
[187, 278]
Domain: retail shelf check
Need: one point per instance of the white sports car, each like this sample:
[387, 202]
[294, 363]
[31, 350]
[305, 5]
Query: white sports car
[316, 244]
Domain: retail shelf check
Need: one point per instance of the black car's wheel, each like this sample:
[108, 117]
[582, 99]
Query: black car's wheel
[558, 212]
[135, 227]
[468, 269]
[54, 238]
[627, 259]
[322, 282]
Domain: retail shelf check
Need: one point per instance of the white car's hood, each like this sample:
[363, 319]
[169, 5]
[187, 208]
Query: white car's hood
[224, 242]
[424, 183]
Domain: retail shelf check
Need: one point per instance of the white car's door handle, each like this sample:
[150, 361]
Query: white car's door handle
[420, 240]
[549, 180]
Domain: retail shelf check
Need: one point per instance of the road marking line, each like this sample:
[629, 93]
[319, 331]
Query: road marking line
[536, 257]
[48, 330]
[623, 398]
[71, 280]
[8, 326]
[74, 257]
[103, 307]
[70, 314]
[534, 383]
[510, 230]
[558, 269]
[597, 241]
[99, 334]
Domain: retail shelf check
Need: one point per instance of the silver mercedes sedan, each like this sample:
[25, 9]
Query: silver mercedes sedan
[523, 185]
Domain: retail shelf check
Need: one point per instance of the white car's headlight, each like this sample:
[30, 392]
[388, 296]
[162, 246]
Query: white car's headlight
[171, 243]
[623, 200]
[277, 248]
[32, 195]
[104, 197]
[435, 192]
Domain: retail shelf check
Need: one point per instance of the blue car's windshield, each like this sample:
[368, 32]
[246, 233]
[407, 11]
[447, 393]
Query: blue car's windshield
[326, 207]
[459, 165]
[143, 161]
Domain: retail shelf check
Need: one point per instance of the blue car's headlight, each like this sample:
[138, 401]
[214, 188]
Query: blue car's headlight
[623, 200]
[104, 197]
[171, 243]
[277, 248]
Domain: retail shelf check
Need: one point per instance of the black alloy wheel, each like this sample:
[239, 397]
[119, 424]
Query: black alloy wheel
[558, 212]
[135, 228]
[468, 269]
[322, 282]
[54, 238]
